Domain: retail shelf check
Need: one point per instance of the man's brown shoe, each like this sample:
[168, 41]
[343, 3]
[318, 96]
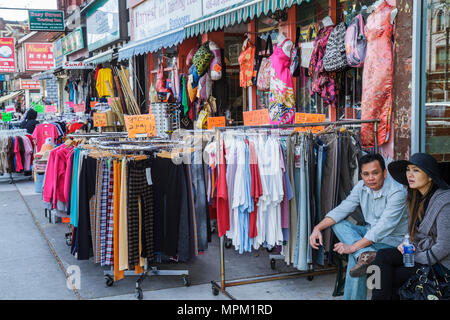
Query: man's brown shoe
[364, 260]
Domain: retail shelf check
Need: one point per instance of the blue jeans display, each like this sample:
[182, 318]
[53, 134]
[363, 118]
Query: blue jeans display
[349, 233]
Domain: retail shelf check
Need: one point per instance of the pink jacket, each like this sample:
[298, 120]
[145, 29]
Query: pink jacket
[50, 177]
[60, 174]
[68, 176]
[19, 166]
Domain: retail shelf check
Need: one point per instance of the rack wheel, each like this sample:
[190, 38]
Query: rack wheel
[139, 295]
[215, 291]
[228, 243]
[109, 280]
[186, 281]
[272, 263]
[269, 250]
[310, 278]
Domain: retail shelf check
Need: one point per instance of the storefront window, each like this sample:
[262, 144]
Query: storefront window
[437, 104]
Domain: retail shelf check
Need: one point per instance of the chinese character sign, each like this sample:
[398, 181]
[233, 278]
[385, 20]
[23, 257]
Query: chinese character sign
[39, 56]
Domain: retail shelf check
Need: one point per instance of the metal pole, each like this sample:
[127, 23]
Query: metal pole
[375, 136]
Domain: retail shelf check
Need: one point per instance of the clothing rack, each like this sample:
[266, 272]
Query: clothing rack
[216, 287]
[135, 146]
[15, 132]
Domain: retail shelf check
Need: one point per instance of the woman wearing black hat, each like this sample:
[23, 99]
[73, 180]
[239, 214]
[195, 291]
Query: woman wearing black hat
[428, 203]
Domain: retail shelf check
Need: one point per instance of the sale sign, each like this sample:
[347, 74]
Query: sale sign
[144, 124]
[216, 122]
[39, 56]
[79, 107]
[51, 108]
[100, 119]
[256, 117]
[7, 55]
[309, 118]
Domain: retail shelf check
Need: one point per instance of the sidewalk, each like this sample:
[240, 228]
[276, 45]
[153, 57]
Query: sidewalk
[44, 278]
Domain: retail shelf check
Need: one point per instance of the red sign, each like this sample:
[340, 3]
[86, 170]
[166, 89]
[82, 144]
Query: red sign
[29, 84]
[7, 55]
[79, 107]
[39, 56]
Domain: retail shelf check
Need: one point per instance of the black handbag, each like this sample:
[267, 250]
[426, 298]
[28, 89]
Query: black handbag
[426, 284]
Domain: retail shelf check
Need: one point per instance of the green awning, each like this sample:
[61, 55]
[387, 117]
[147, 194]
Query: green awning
[235, 14]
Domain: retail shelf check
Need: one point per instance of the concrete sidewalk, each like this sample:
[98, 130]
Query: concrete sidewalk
[34, 259]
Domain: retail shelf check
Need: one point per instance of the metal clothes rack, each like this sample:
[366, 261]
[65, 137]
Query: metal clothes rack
[126, 147]
[15, 132]
[216, 287]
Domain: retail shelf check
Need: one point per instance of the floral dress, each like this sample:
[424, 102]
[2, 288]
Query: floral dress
[281, 98]
[323, 82]
[377, 75]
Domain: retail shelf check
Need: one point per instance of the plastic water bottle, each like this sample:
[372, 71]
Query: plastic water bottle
[408, 252]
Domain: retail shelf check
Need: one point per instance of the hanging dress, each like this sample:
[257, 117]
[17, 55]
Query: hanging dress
[377, 75]
[282, 98]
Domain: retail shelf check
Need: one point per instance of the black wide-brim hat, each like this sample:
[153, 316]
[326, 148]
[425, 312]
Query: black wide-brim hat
[424, 161]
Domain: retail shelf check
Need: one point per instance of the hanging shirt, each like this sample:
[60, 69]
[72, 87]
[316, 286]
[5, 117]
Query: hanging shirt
[103, 75]
[223, 210]
[256, 188]
[44, 131]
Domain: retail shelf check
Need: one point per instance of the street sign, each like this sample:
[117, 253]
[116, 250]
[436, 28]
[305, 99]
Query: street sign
[46, 20]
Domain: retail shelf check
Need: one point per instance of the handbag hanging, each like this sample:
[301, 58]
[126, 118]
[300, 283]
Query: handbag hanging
[425, 284]
[295, 61]
[307, 47]
[263, 78]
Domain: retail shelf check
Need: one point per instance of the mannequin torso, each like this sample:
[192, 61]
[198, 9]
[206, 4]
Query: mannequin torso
[287, 46]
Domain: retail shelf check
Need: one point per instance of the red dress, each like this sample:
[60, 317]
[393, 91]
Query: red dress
[377, 75]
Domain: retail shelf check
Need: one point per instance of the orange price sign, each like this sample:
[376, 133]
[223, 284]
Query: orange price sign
[144, 124]
[93, 103]
[309, 118]
[216, 122]
[256, 117]
[100, 119]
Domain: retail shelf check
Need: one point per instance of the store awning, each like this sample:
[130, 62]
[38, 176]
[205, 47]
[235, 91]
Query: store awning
[100, 58]
[10, 96]
[49, 74]
[151, 44]
[236, 14]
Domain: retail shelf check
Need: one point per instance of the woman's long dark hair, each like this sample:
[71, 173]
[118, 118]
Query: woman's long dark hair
[417, 204]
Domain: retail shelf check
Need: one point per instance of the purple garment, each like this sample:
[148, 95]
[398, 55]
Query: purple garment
[28, 153]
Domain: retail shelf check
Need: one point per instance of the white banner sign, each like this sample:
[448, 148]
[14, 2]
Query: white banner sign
[76, 65]
[154, 17]
[211, 6]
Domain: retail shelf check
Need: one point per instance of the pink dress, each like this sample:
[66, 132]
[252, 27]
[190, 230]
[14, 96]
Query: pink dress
[377, 75]
[281, 99]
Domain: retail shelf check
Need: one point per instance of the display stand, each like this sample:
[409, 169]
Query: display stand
[221, 287]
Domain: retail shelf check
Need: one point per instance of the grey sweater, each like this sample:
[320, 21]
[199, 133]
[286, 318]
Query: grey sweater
[434, 230]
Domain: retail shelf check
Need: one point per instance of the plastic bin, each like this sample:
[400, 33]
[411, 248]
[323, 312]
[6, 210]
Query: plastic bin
[38, 182]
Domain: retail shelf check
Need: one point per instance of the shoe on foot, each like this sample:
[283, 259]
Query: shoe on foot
[365, 259]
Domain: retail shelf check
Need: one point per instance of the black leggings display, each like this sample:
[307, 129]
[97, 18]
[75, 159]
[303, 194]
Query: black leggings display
[139, 189]
[393, 274]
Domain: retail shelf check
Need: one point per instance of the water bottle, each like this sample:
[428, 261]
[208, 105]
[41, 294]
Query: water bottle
[408, 252]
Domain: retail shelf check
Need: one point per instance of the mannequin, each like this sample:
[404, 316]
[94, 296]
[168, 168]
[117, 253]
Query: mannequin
[287, 46]
[378, 3]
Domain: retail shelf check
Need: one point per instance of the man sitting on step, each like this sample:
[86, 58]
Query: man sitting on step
[383, 205]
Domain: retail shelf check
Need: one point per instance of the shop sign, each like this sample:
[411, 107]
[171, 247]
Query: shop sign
[214, 122]
[46, 20]
[211, 6]
[6, 116]
[73, 42]
[70, 65]
[154, 17]
[39, 56]
[309, 118]
[100, 119]
[10, 109]
[29, 84]
[7, 55]
[58, 53]
[51, 108]
[256, 117]
[141, 125]
[102, 24]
